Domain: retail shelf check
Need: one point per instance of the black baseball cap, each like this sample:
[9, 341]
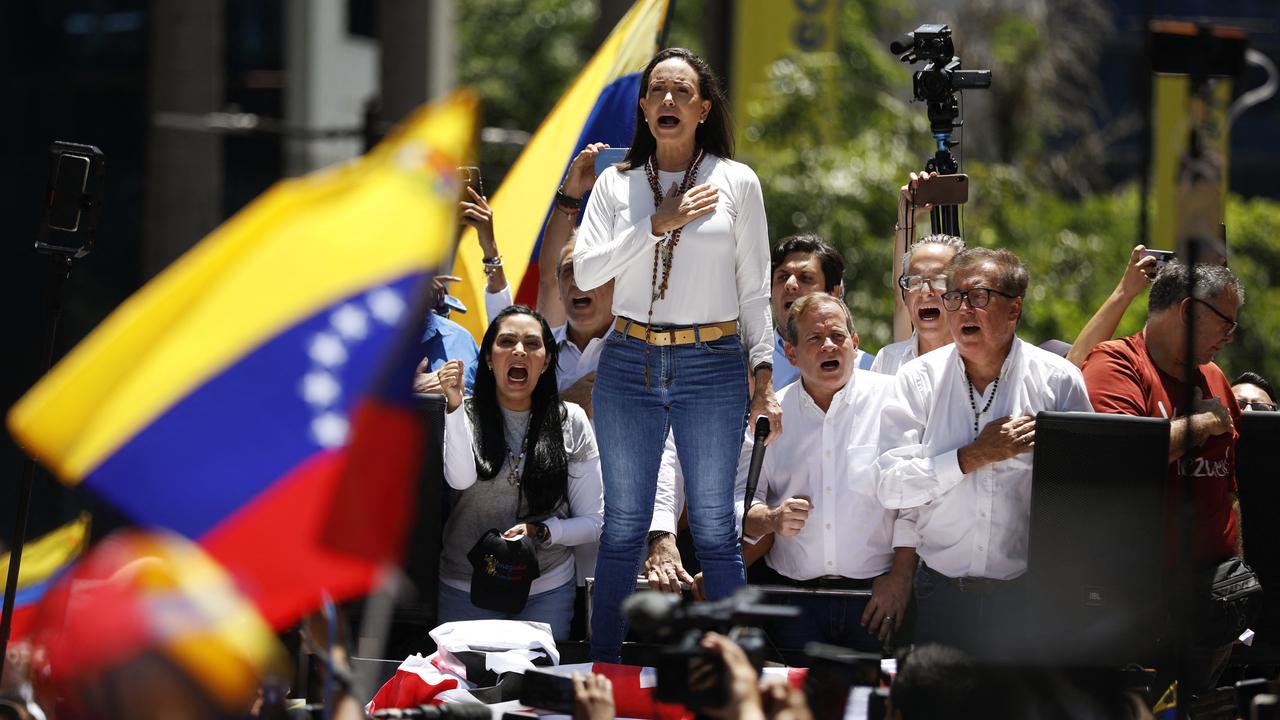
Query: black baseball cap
[502, 569]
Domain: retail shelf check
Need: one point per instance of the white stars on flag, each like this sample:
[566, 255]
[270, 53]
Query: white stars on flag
[329, 350]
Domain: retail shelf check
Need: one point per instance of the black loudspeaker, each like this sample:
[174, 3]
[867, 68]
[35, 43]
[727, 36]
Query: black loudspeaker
[1096, 547]
[1256, 478]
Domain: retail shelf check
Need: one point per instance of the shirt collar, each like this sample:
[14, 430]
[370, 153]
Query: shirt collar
[1010, 360]
[843, 396]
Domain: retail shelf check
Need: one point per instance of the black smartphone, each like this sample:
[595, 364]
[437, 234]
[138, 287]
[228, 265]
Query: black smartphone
[547, 691]
[470, 177]
[943, 190]
[73, 199]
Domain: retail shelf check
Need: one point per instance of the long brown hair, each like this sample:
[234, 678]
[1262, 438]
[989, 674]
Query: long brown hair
[714, 135]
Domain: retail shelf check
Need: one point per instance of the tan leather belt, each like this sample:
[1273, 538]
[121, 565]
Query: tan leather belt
[677, 336]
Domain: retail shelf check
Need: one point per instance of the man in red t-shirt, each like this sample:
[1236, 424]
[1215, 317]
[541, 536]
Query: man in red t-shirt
[1145, 375]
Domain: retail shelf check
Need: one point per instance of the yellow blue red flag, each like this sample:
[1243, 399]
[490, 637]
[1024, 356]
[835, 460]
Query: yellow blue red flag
[218, 400]
[44, 560]
[599, 106]
[138, 597]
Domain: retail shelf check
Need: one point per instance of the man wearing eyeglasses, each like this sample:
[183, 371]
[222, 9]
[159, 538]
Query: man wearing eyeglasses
[1253, 393]
[1146, 374]
[955, 454]
[922, 283]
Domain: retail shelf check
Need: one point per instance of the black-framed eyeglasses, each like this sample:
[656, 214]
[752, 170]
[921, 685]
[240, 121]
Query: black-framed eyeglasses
[1258, 405]
[1232, 323]
[976, 297]
[916, 283]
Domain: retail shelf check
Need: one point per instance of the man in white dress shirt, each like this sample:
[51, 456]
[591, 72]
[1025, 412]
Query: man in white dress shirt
[955, 454]
[817, 493]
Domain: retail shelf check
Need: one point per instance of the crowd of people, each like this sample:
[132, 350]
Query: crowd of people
[587, 431]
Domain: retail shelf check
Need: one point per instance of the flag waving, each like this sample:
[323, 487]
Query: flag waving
[44, 561]
[217, 401]
[599, 106]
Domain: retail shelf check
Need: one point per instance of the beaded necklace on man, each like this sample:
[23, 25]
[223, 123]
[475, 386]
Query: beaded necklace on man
[974, 406]
[665, 249]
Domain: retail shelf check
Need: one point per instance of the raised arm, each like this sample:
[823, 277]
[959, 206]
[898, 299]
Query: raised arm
[559, 228]
[1137, 276]
[905, 232]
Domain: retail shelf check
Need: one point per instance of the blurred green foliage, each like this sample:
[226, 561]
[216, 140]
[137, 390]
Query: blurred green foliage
[832, 156]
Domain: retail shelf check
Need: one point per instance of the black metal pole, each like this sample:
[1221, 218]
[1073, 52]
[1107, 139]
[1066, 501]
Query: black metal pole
[1186, 591]
[59, 271]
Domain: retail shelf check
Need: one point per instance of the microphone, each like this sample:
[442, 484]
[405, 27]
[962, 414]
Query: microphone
[762, 428]
[753, 474]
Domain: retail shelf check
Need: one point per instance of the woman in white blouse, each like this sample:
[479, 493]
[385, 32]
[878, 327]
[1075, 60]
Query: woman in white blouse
[680, 227]
[522, 462]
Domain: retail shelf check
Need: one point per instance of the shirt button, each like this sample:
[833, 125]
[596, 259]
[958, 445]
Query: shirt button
[982, 513]
[828, 526]
[981, 549]
[828, 453]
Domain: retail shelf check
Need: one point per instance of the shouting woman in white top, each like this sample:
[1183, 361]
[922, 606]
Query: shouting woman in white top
[680, 228]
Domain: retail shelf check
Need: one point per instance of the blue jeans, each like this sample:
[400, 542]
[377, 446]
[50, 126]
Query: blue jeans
[699, 391]
[553, 607]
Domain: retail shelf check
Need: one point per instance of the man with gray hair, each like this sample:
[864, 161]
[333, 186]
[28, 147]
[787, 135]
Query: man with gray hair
[955, 455]
[1147, 374]
[921, 284]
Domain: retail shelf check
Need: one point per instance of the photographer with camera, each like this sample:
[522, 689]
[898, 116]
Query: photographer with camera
[749, 697]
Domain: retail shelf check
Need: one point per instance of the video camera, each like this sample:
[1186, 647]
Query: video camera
[941, 77]
[688, 673]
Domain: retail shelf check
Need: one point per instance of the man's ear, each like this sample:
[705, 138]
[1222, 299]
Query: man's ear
[855, 342]
[789, 350]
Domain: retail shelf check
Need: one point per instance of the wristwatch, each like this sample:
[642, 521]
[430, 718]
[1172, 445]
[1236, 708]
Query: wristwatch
[541, 532]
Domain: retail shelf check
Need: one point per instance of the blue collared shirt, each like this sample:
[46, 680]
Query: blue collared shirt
[446, 340]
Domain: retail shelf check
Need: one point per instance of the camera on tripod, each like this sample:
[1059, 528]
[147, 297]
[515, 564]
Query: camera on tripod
[688, 673]
[936, 85]
[941, 77]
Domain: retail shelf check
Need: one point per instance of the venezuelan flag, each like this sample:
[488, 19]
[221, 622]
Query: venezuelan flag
[44, 561]
[600, 106]
[218, 400]
[138, 597]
